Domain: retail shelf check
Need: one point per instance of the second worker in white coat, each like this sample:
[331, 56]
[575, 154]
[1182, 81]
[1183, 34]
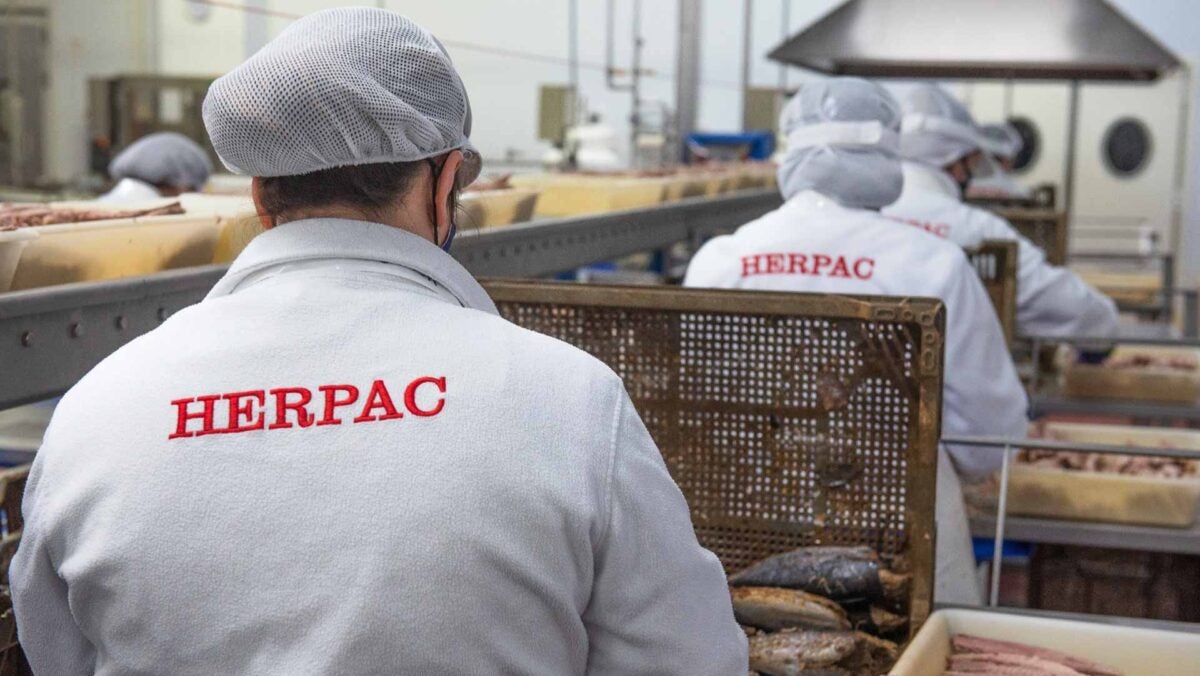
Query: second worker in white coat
[840, 168]
[943, 151]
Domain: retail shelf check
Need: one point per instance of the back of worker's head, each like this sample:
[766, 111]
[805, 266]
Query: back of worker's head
[346, 107]
[939, 131]
[841, 142]
[1003, 142]
[169, 161]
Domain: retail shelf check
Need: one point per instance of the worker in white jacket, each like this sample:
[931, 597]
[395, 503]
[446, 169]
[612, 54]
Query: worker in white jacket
[839, 169]
[1002, 143]
[158, 165]
[943, 151]
[343, 461]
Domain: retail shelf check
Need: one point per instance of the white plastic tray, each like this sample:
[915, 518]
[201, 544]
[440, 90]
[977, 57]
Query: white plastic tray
[1132, 650]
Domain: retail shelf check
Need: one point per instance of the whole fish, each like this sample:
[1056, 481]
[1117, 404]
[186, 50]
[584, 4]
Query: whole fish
[875, 620]
[838, 573]
[871, 656]
[790, 653]
[774, 608]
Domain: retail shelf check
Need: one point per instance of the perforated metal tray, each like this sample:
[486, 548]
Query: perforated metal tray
[996, 262]
[735, 388]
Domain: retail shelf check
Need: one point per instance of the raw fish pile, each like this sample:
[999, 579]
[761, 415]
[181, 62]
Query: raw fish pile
[975, 655]
[1151, 361]
[1165, 468]
[13, 216]
[499, 182]
[821, 610]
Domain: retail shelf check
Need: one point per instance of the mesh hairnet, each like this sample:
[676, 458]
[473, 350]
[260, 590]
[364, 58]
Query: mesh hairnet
[165, 158]
[341, 87]
[842, 143]
[937, 129]
[1002, 140]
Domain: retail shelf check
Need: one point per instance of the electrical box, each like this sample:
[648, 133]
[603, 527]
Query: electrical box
[760, 109]
[556, 112]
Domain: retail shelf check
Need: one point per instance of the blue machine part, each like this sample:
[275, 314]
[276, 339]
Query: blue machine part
[1010, 551]
[760, 145]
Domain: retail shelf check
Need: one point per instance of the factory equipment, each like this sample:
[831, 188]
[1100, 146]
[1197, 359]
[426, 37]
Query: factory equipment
[125, 108]
[23, 81]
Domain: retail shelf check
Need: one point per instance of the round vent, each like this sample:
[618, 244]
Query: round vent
[1031, 143]
[1127, 146]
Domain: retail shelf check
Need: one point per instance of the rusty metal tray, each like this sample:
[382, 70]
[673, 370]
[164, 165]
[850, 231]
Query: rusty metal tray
[996, 262]
[1046, 228]
[727, 384]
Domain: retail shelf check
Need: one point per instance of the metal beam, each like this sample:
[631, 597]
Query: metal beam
[687, 71]
[51, 337]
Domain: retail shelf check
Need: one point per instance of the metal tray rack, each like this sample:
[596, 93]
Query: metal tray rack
[1046, 228]
[996, 262]
[786, 419]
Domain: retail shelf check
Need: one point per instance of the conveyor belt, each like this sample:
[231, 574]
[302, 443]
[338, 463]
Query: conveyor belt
[51, 337]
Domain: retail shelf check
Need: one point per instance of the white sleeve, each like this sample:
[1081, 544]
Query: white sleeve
[52, 641]
[709, 267]
[1051, 300]
[982, 395]
[660, 603]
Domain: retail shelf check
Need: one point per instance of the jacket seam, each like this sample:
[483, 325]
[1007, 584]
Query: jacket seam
[611, 469]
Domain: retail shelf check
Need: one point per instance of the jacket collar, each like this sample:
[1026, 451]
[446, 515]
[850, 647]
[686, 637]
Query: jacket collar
[811, 200]
[920, 177]
[335, 242]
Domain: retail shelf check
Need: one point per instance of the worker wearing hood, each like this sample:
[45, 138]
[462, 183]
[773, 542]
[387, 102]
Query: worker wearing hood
[159, 165]
[943, 152]
[343, 461]
[1002, 143]
[839, 170]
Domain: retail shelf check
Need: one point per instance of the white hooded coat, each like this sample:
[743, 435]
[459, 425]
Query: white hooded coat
[502, 511]
[1051, 300]
[982, 395]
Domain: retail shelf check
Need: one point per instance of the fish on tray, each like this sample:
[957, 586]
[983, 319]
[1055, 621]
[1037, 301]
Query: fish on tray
[838, 573]
[790, 653]
[973, 654]
[775, 608]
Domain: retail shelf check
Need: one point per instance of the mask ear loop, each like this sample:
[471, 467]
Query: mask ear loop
[435, 175]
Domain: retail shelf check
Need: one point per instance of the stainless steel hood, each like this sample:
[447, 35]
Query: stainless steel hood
[1010, 39]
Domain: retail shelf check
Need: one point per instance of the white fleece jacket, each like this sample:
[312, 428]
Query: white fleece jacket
[343, 461]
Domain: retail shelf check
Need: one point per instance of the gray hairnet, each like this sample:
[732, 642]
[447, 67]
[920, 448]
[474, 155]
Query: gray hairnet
[937, 129]
[1002, 140]
[841, 136]
[165, 158]
[341, 87]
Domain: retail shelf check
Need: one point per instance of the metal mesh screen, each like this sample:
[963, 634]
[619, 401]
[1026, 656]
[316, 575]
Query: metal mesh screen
[1046, 228]
[996, 262]
[786, 419]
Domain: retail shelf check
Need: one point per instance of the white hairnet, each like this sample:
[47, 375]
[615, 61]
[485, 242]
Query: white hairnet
[842, 143]
[1002, 140]
[165, 158]
[937, 129]
[341, 87]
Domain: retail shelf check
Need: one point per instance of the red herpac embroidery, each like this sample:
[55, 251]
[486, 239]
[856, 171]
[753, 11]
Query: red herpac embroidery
[248, 410]
[811, 264]
[940, 229]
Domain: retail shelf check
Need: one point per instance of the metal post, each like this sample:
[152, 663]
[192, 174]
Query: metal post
[1168, 286]
[687, 71]
[785, 21]
[635, 117]
[747, 39]
[573, 61]
[1191, 314]
[998, 543]
[1072, 139]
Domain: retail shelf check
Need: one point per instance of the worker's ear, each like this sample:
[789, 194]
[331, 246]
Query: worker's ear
[444, 191]
[256, 194]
